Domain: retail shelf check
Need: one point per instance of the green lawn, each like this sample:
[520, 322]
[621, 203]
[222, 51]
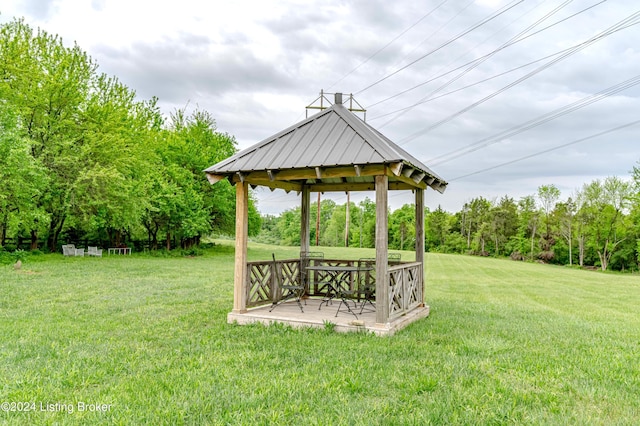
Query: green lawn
[506, 343]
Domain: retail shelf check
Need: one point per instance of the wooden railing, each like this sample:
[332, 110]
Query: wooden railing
[405, 281]
[405, 288]
[263, 287]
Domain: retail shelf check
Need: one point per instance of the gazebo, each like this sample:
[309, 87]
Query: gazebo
[332, 151]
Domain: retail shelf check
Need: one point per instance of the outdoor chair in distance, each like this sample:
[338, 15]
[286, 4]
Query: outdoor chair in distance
[68, 250]
[71, 250]
[291, 291]
[94, 251]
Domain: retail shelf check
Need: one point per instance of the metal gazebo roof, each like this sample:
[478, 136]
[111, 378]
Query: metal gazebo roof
[333, 150]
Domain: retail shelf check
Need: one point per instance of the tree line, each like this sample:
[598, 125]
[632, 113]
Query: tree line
[82, 160]
[598, 226]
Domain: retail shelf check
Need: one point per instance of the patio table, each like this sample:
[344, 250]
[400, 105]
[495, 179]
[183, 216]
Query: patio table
[339, 277]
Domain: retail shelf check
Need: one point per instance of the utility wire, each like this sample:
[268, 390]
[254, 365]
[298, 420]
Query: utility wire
[487, 57]
[625, 23]
[469, 85]
[389, 43]
[615, 129]
[543, 119]
[474, 27]
[476, 60]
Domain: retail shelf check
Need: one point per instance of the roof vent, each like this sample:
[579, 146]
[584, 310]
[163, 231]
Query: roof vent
[338, 98]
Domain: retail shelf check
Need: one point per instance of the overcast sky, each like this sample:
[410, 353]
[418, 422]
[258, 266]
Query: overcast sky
[496, 96]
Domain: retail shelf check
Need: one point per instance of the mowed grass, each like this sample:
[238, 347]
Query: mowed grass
[506, 343]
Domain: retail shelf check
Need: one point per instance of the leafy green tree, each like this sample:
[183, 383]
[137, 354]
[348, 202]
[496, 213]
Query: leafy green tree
[23, 179]
[565, 218]
[528, 225]
[503, 222]
[47, 84]
[548, 196]
[478, 229]
[402, 228]
[367, 223]
[289, 227]
[437, 227]
[602, 208]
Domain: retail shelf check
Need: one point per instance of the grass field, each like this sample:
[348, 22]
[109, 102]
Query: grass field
[506, 343]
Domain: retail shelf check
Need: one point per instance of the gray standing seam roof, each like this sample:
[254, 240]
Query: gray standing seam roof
[334, 137]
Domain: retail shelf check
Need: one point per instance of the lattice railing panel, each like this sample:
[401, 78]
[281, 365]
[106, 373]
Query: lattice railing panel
[259, 275]
[405, 288]
[413, 287]
[396, 294]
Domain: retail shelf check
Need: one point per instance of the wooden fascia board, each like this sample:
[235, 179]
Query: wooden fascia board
[312, 173]
[275, 184]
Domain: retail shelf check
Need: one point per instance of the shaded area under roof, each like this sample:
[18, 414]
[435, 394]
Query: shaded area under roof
[333, 150]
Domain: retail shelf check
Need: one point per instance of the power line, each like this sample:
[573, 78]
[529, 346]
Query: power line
[509, 44]
[469, 85]
[625, 23]
[517, 38]
[543, 119]
[389, 43]
[624, 126]
[474, 27]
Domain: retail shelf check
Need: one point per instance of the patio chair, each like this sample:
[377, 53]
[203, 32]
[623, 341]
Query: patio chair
[367, 285]
[394, 258]
[306, 259]
[94, 251]
[348, 294]
[290, 291]
[68, 250]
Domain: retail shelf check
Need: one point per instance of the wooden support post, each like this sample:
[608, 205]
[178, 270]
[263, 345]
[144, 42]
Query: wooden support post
[420, 225]
[242, 231]
[305, 232]
[382, 250]
[420, 240]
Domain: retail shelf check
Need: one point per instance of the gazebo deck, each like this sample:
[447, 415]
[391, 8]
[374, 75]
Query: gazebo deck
[289, 313]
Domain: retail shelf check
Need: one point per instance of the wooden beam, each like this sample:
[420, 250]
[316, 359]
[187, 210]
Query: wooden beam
[312, 172]
[242, 235]
[339, 187]
[382, 250]
[401, 186]
[407, 171]
[357, 169]
[305, 230]
[276, 184]
[240, 176]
